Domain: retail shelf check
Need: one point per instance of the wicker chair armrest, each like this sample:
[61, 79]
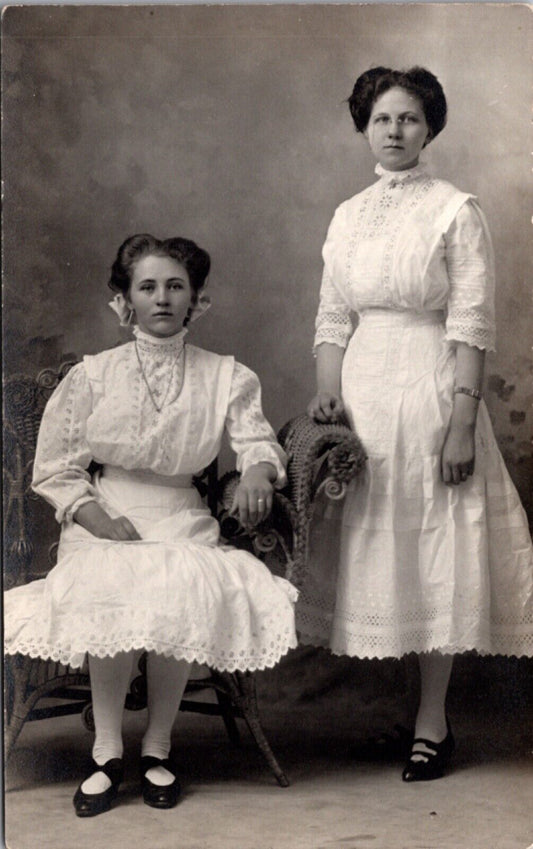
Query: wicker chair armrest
[226, 488]
[322, 459]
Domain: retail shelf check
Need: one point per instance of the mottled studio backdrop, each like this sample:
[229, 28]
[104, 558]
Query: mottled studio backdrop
[227, 125]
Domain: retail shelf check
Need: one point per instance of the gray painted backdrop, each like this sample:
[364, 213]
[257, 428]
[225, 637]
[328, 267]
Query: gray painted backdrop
[227, 125]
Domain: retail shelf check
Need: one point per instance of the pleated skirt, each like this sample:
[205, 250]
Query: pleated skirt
[408, 564]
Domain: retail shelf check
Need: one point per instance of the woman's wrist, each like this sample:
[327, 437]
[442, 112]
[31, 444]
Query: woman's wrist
[87, 509]
[465, 410]
[463, 421]
[329, 369]
[328, 393]
[264, 467]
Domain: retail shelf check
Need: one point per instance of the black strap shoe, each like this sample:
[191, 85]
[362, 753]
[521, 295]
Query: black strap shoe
[92, 804]
[159, 795]
[434, 761]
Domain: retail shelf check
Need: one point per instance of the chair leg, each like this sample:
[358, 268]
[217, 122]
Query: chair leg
[17, 672]
[243, 692]
[23, 696]
[13, 729]
[226, 710]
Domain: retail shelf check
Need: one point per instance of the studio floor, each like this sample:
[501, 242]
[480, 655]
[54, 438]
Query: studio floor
[231, 801]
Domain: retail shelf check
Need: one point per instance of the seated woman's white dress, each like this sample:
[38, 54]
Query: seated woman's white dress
[421, 565]
[177, 591]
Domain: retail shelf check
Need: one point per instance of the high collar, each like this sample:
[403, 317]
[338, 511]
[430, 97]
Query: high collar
[160, 344]
[395, 178]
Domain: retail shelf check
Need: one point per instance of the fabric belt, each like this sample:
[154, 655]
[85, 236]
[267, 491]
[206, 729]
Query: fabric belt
[401, 318]
[146, 476]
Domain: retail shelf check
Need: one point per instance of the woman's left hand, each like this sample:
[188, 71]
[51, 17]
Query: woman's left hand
[253, 497]
[458, 454]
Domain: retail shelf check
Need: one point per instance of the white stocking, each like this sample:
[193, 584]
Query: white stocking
[166, 680]
[110, 677]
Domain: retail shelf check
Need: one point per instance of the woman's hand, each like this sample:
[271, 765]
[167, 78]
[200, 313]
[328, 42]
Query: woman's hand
[459, 449]
[325, 407]
[458, 454]
[253, 497]
[94, 519]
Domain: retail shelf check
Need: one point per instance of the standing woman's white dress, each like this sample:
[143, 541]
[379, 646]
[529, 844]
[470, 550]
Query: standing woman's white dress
[177, 591]
[422, 565]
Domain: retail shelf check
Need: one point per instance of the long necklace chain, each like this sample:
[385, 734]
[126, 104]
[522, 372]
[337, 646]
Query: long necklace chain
[158, 407]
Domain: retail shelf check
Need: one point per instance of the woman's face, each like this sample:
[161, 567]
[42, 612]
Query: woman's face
[397, 130]
[160, 293]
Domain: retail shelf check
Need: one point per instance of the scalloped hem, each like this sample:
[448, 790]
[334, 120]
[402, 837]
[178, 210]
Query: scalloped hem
[511, 648]
[252, 662]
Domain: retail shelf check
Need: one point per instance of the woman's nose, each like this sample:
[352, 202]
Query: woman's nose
[162, 296]
[394, 128]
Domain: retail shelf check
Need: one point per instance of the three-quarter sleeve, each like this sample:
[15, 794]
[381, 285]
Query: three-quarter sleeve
[249, 433]
[333, 323]
[62, 455]
[470, 265]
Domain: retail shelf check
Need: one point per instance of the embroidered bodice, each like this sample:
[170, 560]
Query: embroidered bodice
[103, 411]
[409, 242]
[161, 363]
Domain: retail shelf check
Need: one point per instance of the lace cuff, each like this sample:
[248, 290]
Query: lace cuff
[458, 330]
[333, 327]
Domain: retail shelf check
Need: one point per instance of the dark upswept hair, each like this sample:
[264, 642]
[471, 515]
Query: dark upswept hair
[195, 260]
[417, 81]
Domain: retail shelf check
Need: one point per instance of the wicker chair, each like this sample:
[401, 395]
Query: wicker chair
[321, 458]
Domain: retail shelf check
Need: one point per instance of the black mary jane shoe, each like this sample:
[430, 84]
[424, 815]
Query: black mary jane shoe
[434, 761]
[92, 804]
[159, 795]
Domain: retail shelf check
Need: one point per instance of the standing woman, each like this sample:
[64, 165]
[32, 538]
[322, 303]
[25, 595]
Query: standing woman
[435, 555]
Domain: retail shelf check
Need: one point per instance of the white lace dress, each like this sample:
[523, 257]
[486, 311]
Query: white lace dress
[177, 591]
[420, 565]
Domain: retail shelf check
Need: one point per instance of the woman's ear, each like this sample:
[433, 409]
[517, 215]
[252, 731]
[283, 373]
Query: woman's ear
[428, 138]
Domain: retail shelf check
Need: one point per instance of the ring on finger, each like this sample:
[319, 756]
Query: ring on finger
[260, 501]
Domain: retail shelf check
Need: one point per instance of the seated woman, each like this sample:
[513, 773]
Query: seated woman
[140, 566]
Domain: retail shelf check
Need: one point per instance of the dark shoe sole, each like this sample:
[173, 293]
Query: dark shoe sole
[162, 796]
[162, 804]
[97, 803]
[92, 804]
